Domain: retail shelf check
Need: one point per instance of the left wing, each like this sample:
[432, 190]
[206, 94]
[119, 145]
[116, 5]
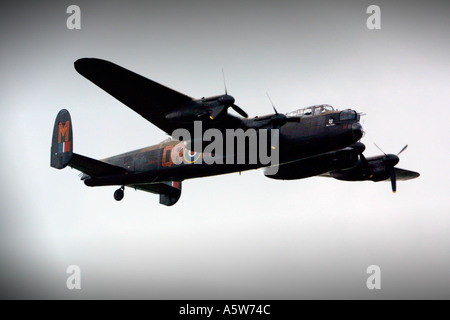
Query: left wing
[151, 100]
[403, 175]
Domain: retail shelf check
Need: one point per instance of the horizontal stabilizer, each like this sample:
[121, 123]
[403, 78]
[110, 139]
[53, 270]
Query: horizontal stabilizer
[94, 168]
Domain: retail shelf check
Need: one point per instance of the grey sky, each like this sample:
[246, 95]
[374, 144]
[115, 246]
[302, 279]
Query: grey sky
[229, 236]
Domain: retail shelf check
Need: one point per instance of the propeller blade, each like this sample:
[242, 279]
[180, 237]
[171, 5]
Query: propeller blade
[240, 111]
[402, 150]
[393, 180]
[224, 83]
[379, 148]
[235, 107]
[273, 106]
[215, 112]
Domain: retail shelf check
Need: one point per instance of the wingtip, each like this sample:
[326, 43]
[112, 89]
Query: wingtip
[90, 68]
[80, 63]
[84, 63]
[81, 60]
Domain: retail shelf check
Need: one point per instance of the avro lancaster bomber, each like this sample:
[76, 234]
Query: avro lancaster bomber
[313, 141]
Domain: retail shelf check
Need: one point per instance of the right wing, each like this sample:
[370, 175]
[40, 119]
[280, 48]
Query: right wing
[151, 100]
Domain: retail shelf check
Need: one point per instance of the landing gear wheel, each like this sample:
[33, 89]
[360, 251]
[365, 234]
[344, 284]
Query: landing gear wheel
[118, 194]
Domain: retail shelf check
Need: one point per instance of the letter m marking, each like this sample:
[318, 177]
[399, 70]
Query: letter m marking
[63, 131]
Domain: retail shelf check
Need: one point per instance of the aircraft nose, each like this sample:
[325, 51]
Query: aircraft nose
[357, 130]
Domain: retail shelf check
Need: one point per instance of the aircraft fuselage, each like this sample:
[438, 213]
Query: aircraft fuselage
[174, 160]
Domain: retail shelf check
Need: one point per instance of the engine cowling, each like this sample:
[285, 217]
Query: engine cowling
[197, 111]
[378, 168]
[338, 160]
[205, 109]
[375, 169]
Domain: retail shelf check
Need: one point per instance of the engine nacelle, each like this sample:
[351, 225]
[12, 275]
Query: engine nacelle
[196, 111]
[376, 169]
[338, 160]
[205, 109]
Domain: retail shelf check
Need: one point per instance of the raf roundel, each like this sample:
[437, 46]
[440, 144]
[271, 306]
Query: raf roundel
[191, 156]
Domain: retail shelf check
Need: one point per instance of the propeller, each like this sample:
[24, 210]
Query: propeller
[233, 106]
[402, 150]
[276, 121]
[390, 161]
[224, 82]
[379, 148]
[271, 102]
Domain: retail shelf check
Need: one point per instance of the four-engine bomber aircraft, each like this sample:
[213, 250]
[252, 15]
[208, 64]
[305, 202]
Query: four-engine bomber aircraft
[314, 141]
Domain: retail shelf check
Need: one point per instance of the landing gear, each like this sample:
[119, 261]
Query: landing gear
[118, 194]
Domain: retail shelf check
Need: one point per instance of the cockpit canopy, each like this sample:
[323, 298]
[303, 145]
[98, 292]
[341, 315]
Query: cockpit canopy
[311, 111]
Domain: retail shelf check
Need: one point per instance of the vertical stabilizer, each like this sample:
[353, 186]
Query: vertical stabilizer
[62, 141]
